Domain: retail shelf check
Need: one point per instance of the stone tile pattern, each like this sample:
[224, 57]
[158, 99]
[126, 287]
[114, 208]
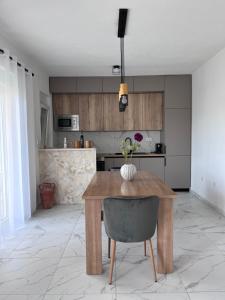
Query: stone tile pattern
[70, 169]
[46, 259]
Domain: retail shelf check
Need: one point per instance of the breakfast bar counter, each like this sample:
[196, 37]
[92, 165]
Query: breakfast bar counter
[70, 169]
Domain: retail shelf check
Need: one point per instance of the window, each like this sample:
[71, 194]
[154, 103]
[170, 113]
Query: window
[3, 202]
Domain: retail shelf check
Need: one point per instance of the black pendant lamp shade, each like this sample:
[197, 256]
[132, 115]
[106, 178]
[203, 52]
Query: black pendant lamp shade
[123, 91]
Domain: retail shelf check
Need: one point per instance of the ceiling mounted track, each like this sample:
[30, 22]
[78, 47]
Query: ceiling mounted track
[122, 22]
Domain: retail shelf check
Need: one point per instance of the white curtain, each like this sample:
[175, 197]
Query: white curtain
[15, 202]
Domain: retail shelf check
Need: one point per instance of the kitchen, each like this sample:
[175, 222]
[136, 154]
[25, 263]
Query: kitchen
[159, 107]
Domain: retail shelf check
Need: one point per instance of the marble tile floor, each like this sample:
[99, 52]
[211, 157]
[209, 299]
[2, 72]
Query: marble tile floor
[46, 259]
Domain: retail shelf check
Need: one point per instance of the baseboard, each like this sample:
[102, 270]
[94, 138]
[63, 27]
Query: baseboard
[181, 190]
[210, 204]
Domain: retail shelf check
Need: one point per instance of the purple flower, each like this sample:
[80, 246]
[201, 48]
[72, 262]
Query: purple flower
[138, 137]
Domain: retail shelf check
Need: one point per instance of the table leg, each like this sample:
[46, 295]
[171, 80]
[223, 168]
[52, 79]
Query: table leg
[93, 236]
[165, 236]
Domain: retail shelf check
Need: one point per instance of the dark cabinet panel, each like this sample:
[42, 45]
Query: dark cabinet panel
[109, 163]
[63, 84]
[178, 172]
[149, 83]
[155, 165]
[178, 131]
[119, 161]
[112, 84]
[178, 91]
[89, 85]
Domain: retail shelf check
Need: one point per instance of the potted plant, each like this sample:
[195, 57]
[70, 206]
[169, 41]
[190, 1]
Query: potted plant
[128, 170]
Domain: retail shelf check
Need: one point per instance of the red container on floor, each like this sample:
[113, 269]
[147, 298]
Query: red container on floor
[47, 193]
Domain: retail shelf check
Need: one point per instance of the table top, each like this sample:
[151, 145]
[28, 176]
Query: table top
[106, 184]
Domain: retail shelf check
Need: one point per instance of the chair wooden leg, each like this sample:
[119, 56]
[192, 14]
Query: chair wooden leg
[109, 247]
[145, 248]
[153, 259]
[113, 244]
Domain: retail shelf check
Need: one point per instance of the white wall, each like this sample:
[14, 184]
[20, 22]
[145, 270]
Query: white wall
[41, 84]
[208, 131]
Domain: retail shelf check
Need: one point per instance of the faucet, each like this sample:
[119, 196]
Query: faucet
[130, 140]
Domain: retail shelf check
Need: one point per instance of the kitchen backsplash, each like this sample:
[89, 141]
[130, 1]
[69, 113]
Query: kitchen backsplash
[108, 142]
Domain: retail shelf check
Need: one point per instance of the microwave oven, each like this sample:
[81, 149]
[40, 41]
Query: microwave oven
[66, 122]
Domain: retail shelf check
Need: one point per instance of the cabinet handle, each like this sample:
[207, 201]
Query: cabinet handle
[165, 161]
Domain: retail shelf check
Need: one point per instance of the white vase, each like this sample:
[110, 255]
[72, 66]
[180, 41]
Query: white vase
[128, 171]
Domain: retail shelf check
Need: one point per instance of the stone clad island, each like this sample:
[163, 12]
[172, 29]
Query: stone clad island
[70, 169]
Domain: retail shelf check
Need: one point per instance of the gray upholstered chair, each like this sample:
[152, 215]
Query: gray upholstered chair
[130, 220]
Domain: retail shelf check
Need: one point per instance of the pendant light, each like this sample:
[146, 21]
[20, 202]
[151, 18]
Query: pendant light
[123, 90]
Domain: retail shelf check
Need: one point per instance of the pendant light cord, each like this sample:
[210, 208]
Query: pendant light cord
[122, 60]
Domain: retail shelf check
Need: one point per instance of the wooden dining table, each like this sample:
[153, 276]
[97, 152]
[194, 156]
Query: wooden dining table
[110, 184]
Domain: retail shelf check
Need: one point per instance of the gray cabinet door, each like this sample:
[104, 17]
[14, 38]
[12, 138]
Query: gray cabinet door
[149, 83]
[119, 161]
[109, 163]
[89, 85]
[178, 91]
[178, 131]
[62, 84]
[112, 84]
[155, 165]
[178, 172]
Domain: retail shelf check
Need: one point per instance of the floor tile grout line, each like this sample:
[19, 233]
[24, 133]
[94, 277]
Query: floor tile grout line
[76, 221]
[60, 258]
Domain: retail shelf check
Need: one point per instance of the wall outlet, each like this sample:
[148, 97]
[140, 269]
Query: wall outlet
[148, 139]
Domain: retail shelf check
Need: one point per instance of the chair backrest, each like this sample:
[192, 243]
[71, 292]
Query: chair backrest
[130, 219]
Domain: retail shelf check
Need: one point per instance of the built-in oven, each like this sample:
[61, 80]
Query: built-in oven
[66, 122]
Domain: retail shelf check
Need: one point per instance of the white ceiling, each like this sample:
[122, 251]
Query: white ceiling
[79, 37]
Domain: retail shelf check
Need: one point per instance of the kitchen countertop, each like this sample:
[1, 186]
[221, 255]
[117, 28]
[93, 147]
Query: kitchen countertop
[101, 156]
[67, 149]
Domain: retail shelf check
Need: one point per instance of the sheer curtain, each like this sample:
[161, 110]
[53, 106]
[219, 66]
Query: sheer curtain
[14, 151]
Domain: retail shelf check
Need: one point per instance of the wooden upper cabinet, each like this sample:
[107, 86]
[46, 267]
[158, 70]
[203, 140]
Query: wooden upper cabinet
[100, 112]
[133, 113]
[84, 112]
[113, 119]
[91, 112]
[152, 111]
[65, 104]
[144, 112]
[96, 112]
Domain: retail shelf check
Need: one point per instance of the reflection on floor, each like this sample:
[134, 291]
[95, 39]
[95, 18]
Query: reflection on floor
[46, 260]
